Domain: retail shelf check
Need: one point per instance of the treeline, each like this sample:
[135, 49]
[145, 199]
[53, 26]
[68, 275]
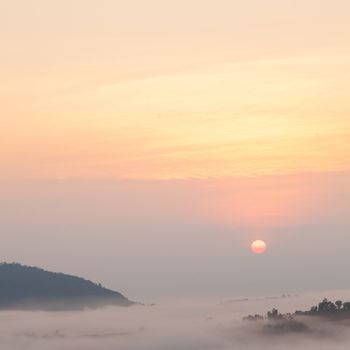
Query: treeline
[328, 307]
[275, 322]
[325, 308]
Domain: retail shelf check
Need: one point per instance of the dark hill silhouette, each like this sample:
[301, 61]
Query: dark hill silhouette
[25, 287]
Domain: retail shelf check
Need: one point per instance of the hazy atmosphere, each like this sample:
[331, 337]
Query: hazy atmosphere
[191, 325]
[184, 238]
[148, 145]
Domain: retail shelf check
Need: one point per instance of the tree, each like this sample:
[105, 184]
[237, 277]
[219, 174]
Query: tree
[273, 314]
[322, 306]
[346, 306]
[313, 309]
[339, 304]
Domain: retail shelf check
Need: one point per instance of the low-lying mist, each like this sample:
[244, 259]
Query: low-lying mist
[173, 325]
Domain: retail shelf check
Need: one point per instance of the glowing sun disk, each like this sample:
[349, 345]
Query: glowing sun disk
[258, 247]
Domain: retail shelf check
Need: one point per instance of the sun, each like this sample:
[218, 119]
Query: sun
[258, 247]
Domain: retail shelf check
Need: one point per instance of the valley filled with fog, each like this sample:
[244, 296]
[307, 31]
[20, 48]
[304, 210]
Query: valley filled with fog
[173, 325]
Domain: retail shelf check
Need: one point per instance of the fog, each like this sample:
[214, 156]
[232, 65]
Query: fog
[175, 324]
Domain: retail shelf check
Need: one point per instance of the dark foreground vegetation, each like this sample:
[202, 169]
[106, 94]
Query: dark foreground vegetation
[277, 323]
[24, 287]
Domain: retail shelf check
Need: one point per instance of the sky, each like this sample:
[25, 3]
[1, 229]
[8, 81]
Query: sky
[145, 144]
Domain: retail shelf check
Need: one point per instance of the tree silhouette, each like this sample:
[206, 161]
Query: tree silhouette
[346, 306]
[326, 309]
[339, 304]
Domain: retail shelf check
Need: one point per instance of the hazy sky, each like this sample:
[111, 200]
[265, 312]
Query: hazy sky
[145, 144]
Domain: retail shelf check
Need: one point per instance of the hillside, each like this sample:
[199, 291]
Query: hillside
[24, 287]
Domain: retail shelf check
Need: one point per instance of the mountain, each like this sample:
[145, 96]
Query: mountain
[25, 287]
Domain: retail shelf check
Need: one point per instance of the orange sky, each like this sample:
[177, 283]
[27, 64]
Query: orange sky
[125, 91]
